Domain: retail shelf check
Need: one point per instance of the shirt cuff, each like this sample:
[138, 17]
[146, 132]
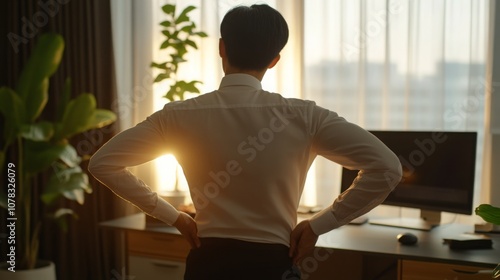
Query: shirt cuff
[165, 212]
[324, 221]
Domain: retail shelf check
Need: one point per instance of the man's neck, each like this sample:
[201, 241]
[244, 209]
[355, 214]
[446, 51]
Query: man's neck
[255, 73]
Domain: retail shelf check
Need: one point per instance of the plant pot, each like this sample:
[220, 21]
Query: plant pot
[45, 270]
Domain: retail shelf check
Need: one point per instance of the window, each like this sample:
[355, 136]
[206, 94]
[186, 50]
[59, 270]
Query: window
[397, 65]
[383, 64]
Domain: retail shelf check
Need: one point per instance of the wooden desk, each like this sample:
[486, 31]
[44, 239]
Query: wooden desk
[351, 252]
[374, 249]
[430, 247]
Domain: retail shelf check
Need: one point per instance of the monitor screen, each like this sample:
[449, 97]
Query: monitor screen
[438, 170]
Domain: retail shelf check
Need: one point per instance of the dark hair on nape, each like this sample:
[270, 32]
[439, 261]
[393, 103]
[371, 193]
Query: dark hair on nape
[253, 36]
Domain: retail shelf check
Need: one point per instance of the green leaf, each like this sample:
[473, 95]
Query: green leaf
[36, 101]
[101, 118]
[180, 88]
[165, 44]
[201, 34]
[169, 9]
[81, 115]
[63, 172]
[64, 212]
[39, 156]
[489, 213]
[183, 17]
[41, 131]
[167, 33]
[191, 87]
[77, 195]
[161, 77]
[158, 65]
[177, 58]
[71, 187]
[188, 28]
[43, 62]
[171, 93]
[181, 51]
[77, 116]
[175, 36]
[166, 23]
[70, 157]
[188, 9]
[191, 43]
[13, 110]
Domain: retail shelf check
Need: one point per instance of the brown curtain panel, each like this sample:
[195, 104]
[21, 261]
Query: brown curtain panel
[86, 251]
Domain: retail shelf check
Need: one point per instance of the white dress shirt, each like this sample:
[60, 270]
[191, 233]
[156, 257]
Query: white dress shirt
[245, 153]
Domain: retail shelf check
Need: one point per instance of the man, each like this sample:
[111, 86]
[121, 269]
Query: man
[245, 153]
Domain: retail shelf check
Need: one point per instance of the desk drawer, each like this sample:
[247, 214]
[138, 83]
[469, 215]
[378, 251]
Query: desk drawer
[154, 244]
[150, 268]
[417, 270]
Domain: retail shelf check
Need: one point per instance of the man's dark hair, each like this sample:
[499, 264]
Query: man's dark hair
[253, 36]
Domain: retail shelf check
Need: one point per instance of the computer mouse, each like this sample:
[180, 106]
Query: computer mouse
[407, 238]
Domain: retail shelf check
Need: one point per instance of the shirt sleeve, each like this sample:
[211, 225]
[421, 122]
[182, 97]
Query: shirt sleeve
[357, 149]
[132, 147]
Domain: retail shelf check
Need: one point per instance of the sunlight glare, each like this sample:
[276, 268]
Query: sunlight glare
[168, 169]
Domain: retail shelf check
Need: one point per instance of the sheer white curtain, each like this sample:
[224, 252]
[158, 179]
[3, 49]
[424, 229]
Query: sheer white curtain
[397, 65]
[133, 33]
[383, 64]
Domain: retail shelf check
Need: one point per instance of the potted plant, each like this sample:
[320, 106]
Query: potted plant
[490, 214]
[179, 31]
[41, 146]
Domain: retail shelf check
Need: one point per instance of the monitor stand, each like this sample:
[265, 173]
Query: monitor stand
[427, 221]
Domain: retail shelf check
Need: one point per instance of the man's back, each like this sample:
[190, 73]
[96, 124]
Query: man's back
[245, 153]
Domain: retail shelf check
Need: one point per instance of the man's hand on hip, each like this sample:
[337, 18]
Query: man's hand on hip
[187, 226]
[302, 241]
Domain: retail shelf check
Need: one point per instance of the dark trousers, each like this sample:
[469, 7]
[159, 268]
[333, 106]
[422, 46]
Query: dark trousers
[231, 259]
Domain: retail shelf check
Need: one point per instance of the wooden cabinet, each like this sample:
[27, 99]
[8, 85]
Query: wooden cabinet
[419, 270]
[153, 254]
[153, 268]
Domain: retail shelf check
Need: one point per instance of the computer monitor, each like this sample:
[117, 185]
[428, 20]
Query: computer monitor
[438, 174]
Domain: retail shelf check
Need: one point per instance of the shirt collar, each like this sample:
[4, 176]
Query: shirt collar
[240, 80]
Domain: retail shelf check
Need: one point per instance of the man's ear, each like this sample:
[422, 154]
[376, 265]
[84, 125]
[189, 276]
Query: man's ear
[222, 48]
[274, 61]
